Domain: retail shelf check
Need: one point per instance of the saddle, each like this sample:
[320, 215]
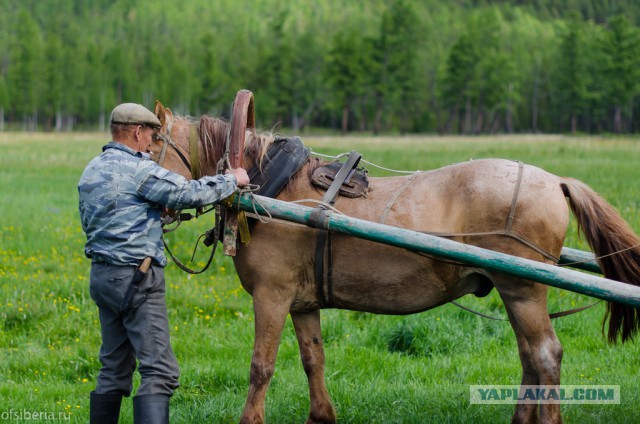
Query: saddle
[356, 183]
[344, 178]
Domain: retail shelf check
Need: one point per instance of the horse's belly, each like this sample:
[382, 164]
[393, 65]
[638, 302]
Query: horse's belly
[388, 280]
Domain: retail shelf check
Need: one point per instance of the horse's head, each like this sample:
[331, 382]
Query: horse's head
[167, 148]
[193, 147]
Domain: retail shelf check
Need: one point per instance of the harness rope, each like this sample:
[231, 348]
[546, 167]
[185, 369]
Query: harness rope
[508, 226]
[508, 231]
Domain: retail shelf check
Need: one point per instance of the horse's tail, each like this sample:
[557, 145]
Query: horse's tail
[615, 245]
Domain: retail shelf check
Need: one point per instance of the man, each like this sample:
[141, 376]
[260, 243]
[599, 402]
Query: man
[122, 194]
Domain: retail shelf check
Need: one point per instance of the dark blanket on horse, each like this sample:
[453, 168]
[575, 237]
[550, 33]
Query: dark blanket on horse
[284, 158]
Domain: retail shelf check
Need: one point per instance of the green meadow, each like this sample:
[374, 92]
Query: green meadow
[380, 369]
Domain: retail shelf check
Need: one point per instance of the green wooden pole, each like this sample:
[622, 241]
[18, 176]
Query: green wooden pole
[579, 259]
[552, 275]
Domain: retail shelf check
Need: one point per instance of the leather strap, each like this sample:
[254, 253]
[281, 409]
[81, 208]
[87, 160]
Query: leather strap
[165, 142]
[317, 219]
[194, 151]
[323, 239]
[343, 175]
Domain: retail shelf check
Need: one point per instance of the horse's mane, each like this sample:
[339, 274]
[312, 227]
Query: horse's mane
[213, 136]
[314, 163]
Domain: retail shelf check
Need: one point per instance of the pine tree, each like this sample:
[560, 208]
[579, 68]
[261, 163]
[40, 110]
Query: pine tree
[54, 82]
[345, 71]
[212, 78]
[460, 71]
[276, 70]
[573, 79]
[622, 68]
[395, 68]
[4, 101]
[306, 73]
[24, 72]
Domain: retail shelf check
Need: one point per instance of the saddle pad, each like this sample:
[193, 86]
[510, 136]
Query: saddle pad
[356, 185]
[284, 158]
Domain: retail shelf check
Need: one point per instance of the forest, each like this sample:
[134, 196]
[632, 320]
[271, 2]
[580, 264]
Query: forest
[369, 66]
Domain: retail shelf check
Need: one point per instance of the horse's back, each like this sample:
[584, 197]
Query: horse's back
[474, 196]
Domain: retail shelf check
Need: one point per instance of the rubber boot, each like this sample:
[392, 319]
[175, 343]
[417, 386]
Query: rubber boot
[104, 408]
[151, 409]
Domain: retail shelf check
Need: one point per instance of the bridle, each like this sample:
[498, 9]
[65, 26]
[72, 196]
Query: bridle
[192, 165]
[243, 116]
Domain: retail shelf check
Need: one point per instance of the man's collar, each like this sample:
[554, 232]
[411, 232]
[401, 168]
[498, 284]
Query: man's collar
[124, 148]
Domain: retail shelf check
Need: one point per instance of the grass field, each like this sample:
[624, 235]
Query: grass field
[50, 333]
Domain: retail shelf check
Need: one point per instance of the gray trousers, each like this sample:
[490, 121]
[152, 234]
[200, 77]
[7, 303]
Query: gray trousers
[141, 333]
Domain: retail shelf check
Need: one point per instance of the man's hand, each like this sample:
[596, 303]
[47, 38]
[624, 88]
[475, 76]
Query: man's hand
[241, 176]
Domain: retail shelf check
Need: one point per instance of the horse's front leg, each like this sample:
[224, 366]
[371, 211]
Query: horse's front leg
[270, 309]
[312, 353]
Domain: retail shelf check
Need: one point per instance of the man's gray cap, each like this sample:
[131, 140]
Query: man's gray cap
[133, 113]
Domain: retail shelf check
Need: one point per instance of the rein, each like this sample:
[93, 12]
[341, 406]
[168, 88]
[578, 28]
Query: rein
[192, 165]
[552, 316]
[243, 117]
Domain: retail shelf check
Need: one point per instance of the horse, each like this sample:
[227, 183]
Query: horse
[469, 202]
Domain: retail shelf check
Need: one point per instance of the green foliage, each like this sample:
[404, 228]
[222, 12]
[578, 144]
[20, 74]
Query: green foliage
[377, 66]
[4, 94]
[395, 72]
[25, 74]
[54, 78]
[350, 56]
[622, 67]
[573, 77]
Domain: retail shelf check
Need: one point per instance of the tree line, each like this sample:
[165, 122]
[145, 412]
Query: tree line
[460, 67]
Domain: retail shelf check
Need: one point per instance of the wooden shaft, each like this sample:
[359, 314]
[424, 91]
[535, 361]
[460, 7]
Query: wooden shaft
[551, 275]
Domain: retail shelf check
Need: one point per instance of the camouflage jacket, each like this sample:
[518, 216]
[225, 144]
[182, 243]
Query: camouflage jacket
[122, 193]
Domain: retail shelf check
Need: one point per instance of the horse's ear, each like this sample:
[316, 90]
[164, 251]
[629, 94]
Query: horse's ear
[165, 116]
[160, 112]
[168, 121]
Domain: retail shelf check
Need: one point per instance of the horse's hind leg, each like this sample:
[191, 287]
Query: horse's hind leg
[312, 353]
[270, 309]
[526, 413]
[540, 349]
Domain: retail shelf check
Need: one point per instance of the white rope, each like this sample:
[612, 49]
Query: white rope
[319, 202]
[388, 169]
[403, 188]
[270, 218]
[362, 160]
[328, 156]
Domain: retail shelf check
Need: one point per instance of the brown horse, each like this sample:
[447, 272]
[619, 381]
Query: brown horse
[471, 201]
